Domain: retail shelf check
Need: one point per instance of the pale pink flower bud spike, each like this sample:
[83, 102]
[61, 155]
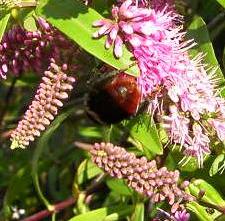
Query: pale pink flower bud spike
[54, 88]
[142, 175]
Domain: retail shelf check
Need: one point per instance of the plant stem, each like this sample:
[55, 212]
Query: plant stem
[56, 208]
[64, 204]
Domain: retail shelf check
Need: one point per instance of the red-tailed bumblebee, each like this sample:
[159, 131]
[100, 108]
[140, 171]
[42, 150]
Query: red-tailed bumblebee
[114, 98]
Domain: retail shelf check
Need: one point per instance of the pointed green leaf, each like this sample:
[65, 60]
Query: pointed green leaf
[91, 132]
[199, 211]
[139, 212]
[87, 170]
[210, 193]
[41, 145]
[75, 20]
[144, 131]
[119, 186]
[198, 31]
[216, 165]
[98, 214]
[104, 214]
[30, 23]
[4, 18]
[222, 2]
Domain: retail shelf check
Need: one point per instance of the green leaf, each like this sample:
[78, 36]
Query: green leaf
[98, 214]
[139, 211]
[103, 214]
[199, 211]
[86, 171]
[30, 23]
[81, 204]
[119, 186]
[198, 31]
[144, 131]
[43, 143]
[210, 193]
[75, 20]
[222, 2]
[4, 18]
[215, 168]
[90, 132]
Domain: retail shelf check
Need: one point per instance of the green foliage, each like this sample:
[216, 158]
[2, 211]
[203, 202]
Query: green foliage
[104, 214]
[30, 24]
[222, 2]
[119, 187]
[144, 132]
[200, 212]
[138, 212]
[86, 171]
[218, 165]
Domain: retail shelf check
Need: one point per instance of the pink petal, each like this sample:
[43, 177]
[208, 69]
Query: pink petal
[108, 42]
[135, 40]
[95, 34]
[118, 50]
[113, 32]
[115, 11]
[103, 30]
[5, 68]
[124, 7]
[99, 23]
[2, 75]
[126, 27]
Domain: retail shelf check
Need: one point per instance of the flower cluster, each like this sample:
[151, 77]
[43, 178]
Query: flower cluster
[181, 215]
[22, 51]
[141, 175]
[53, 89]
[168, 75]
